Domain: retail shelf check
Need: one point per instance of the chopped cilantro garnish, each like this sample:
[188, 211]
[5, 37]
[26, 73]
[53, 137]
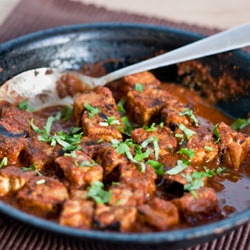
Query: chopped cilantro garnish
[187, 151]
[209, 172]
[98, 194]
[32, 167]
[196, 180]
[92, 110]
[110, 121]
[121, 147]
[180, 136]
[188, 132]
[4, 162]
[190, 113]
[216, 133]
[139, 155]
[71, 154]
[153, 139]
[128, 126]
[86, 163]
[66, 113]
[69, 141]
[181, 165]
[208, 148]
[221, 170]
[157, 166]
[120, 105]
[23, 105]
[138, 87]
[152, 127]
[124, 148]
[240, 123]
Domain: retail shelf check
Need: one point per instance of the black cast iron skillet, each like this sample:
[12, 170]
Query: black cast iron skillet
[70, 47]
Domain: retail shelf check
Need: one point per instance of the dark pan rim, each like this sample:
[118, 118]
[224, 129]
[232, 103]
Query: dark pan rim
[211, 229]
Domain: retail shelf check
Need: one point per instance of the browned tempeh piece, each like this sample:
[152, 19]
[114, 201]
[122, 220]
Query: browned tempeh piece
[13, 178]
[159, 214]
[77, 213]
[42, 196]
[234, 145]
[145, 106]
[79, 169]
[195, 209]
[115, 218]
[163, 136]
[97, 125]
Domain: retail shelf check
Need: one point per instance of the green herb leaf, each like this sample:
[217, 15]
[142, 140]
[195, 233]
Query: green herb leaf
[112, 120]
[86, 163]
[139, 155]
[187, 151]
[196, 180]
[23, 105]
[240, 123]
[181, 165]
[221, 170]
[157, 166]
[66, 113]
[124, 148]
[179, 136]
[152, 128]
[153, 139]
[138, 87]
[98, 194]
[188, 132]
[190, 113]
[208, 148]
[120, 105]
[69, 142]
[216, 133]
[92, 110]
[4, 162]
[128, 126]
[32, 167]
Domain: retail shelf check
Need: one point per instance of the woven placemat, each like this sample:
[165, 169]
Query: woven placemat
[30, 16]
[34, 15]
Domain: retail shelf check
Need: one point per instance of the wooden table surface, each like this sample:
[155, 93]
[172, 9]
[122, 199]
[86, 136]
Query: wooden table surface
[213, 13]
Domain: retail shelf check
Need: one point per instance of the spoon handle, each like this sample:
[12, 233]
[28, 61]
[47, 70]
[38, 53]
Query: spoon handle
[227, 40]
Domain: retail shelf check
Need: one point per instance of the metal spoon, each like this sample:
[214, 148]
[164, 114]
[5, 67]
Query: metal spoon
[37, 86]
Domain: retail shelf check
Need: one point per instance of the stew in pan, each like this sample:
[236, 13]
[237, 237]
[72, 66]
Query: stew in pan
[134, 156]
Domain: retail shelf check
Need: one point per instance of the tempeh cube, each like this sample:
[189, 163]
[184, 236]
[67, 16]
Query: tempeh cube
[203, 145]
[163, 136]
[119, 218]
[234, 145]
[195, 209]
[79, 169]
[13, 178]
[146, 79]
[135, 179]
[145, 106]
[77, 213]
[42, 196]
[159, 214]
[176, 112]
[39, 153]
[97, 113]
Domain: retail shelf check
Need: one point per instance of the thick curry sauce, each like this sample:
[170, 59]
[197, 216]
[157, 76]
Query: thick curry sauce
[135, 156]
